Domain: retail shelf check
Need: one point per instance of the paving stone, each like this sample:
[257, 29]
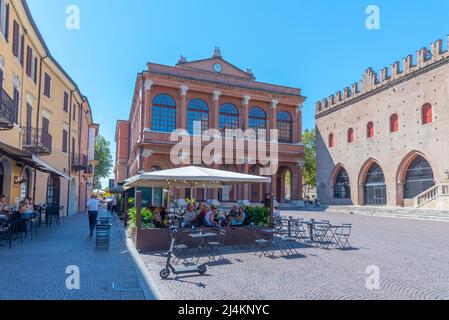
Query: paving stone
[36, 268]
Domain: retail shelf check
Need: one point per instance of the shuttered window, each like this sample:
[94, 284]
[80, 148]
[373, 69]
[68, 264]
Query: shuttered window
[15, 39]
[47, 85]
[66, 102]
[64, 141]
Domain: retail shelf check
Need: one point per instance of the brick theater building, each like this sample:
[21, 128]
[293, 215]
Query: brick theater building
[220, 96]
[384, 142]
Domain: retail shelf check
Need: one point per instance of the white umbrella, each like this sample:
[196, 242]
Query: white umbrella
[191, 177]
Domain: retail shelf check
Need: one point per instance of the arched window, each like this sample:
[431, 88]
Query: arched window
[427, 113]
[229, 117]
[350, 135]
[164, 114]
[394, 123]
[375, 187]
[370, 130]
[331, 140]
[198, 111]
[285, 127]
[419, 178]
[342, 188]
[257, 119]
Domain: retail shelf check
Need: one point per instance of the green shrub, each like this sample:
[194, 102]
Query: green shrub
[259, 215]
[147, 219]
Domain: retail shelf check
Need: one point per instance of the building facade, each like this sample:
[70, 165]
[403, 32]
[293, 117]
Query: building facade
[384, 142]
[46, 129]
[219, 96]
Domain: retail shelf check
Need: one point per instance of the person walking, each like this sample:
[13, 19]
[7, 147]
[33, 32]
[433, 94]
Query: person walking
[92, 210]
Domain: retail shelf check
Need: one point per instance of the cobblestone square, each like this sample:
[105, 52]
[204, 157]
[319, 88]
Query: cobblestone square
[412, 257]
[36, 269]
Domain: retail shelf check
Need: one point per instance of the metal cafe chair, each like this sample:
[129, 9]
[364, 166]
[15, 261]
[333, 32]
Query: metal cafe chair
[322, 236]
[10, 231]
[299, 230]
[216, 248]
[342, 235]
[264, 243]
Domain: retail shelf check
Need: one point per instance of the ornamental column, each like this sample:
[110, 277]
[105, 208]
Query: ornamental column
[273, 126]
[214, 124]
[147, 104]
[181, 118]
[297, 134]
[244, 189]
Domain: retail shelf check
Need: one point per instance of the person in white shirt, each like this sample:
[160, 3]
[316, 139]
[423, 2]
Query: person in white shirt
[92, 210]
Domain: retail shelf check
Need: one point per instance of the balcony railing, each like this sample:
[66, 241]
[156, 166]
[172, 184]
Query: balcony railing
[7, 111]
[79, 162]
[37, 141]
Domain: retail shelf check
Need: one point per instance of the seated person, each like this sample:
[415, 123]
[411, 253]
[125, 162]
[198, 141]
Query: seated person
[234, 212]
[201, 215]
[164, 213]
[189, 216]
[157, 219]
[240, 219]
[209, 219]
[3, 203]
[276, 213]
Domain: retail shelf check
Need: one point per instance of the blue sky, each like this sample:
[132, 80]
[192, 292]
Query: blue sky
[318, 46]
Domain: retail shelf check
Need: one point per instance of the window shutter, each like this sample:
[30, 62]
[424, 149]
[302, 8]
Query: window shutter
[22, 49]
[1, 79]
[66, 102]
[64, 141]
[16, 105]
[29, 60]
[35, 70]
[15, 40]
[7, 21]
[29, 116]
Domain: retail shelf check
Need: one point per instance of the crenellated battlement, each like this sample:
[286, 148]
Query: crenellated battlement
[372, 81]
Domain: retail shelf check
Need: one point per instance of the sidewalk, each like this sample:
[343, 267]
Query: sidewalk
[36, 269]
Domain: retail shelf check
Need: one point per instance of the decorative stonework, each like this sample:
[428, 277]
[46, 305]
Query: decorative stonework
[16, 81]
[148, 84]
[183, 90]
[216, 95]
[2, 62]
[299, 108]
[246, 99]
[425, 60]
[274, 104]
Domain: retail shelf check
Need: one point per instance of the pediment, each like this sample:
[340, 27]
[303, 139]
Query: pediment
[216, 65]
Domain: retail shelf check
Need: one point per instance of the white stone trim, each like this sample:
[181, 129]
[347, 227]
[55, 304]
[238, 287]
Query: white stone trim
[216, 95]
[274, 104]
[183, 90]
[246, 99]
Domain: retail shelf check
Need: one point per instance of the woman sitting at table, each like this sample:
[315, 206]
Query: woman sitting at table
[240, 219]
[157, 219]
[209, 219]
[189, 216]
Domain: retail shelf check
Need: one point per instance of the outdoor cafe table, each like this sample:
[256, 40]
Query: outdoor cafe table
[202, 237]
[311, 224]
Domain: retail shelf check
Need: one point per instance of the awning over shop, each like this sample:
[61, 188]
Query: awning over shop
[30, 160]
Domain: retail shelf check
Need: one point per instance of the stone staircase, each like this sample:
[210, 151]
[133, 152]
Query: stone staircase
[402, 213]
[436, 197]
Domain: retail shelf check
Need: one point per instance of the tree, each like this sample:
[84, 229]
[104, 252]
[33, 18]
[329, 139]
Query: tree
[309, 141]
[104, 158]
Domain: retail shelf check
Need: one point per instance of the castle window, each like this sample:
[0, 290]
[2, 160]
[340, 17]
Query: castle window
[350, 135]
[427, 113]
[331, 140]
[394, 123]
[370, 130]
[164, 114]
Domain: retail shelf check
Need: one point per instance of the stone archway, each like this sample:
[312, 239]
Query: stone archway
[415, 175]
[284, 184]
[372, 185]
[6, 179]
[340, 185]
